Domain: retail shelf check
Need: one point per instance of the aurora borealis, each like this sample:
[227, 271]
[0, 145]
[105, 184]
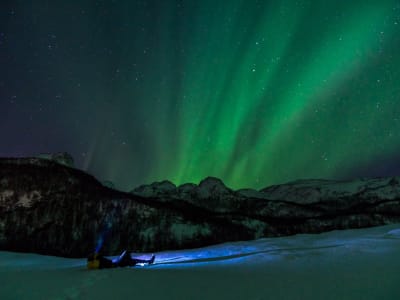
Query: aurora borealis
[253, 92]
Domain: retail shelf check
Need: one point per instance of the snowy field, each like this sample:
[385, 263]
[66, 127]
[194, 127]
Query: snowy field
[351, 264]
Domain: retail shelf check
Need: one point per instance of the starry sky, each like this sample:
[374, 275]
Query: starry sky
[253, 92]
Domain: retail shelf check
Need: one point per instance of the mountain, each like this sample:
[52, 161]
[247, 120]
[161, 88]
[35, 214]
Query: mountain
[51, 208]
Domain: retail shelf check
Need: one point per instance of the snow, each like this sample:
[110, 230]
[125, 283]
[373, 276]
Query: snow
[305, 191]
[211, 187]
[351, 264]
[27, 199]
[155, 189]
[62, 158]
[6, 196]
[310, 191]
[24, 199]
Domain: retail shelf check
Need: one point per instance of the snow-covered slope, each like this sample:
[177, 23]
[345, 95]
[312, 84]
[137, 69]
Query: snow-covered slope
[351, 264]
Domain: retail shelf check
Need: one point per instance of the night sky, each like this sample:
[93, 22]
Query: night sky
[253, 92]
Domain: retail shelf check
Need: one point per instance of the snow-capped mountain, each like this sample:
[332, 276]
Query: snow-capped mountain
[312, 191]
[210, 193]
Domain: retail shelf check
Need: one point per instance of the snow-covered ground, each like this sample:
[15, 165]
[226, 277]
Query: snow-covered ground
[351, 264]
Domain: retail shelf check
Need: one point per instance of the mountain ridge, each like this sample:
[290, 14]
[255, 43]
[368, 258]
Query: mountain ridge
[326, 188]
[52, 208]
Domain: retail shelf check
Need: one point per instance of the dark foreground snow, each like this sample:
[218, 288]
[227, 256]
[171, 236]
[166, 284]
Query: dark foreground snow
[351, 264]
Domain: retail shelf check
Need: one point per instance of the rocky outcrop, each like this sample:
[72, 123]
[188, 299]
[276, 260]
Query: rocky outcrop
[62, 158]
[49, 208]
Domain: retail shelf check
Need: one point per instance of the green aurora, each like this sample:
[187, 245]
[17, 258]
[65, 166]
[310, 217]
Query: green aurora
[253, 92]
